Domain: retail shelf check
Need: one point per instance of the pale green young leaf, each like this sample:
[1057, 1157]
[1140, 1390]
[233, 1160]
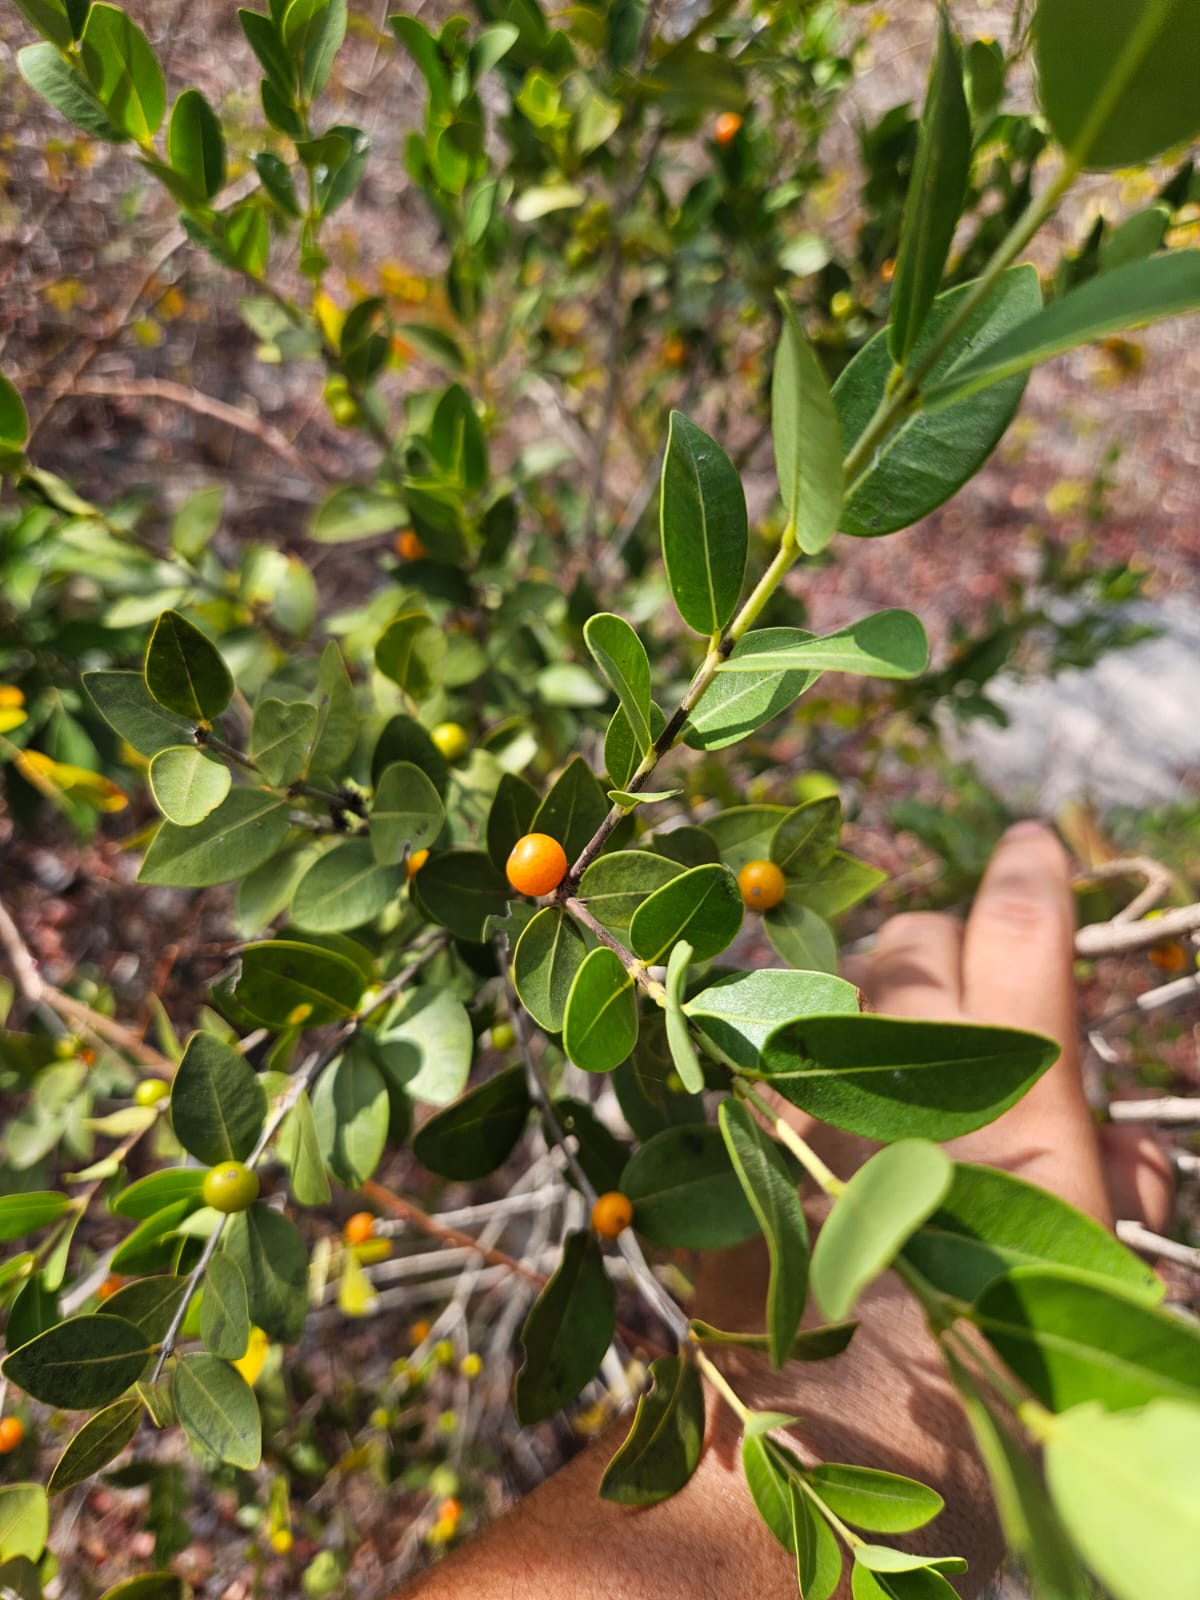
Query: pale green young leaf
[24, 1521]
[885, 1202]
[124, 71]
[679, 1040]
[800, 936]
[68, 91]
[425, 1044]
[739, 1012]
[187, 784]
[351, 1111]
[300, 1151]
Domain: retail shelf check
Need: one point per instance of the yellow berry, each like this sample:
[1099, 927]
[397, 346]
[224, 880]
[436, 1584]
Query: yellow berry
[612, 1214]
[230, 1186]
[762, 885]
[150, 1091]
[282, 1541]
[536, 865]
[471, 1365]
[451, 739]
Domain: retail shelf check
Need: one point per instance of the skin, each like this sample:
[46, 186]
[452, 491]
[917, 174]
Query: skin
[885, 1402]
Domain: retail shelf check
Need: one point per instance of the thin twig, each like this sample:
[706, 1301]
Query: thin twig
[1169, 1108]
[1159, 880]
[1121, 938]
[205, 405]
[1138, 1237]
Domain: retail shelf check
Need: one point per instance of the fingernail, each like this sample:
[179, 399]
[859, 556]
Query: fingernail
[1028, 828]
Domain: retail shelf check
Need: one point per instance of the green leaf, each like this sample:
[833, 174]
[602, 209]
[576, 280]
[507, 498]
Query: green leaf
[734, 705]
[643, 797]
[150, 1586]
[264, 40]
[196, 145]
[158, 1189]
[615, 885]
[50, 19]
[80, 1364]
[685, 1193]
[568, 1329]
[1128, 1489]
[1027, 1515]
[882, 1502]
[99, 1441]
[818, 1558]
[425, 1045]
[703, 906]
[276, 179]
[460, 890]
[407, 812]
[217, 1102]
[914, 1582]
[300, 1150]
[936, 192]
[1074, 1339]
[68, 91]
[810, 1344]
[991, 1221]
[679, 1040]
[410, 652]
[800, 936]
[224, 1311]
[894, 1078]
[270, 1251]
[351, 1110]
[128, 707]
[149, 1303]
[24, 1521]
[151, 1245]
[284, 983]
[548, 956]
[806, 839]
[354, 512]
[511, 816]
[739, 1012]
[704, 528]
[34, 1308]
[621, 657]
[476, 1135]
[1116, 81]
[662, 1449]
[281, 736]
[837, 886]
[929, 457]
[217, 1410]
[771, 1191]
[124, 71]
[807, 437]
[574, 808]
[885, 1201]
[184, 669]
[14, 423]
[21, 1214]
[1132, 296]
[313, 31]
[622, 756]
[600, 1020]
[344, 888]
[888, 644]
[337, 714]
[187, 784]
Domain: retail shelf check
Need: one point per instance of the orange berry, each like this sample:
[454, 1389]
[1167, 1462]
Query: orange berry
[675, 351]
[536, 865]
[419, 1331]
[762, 885]
[414, 863]
[409, 546]
[888, 270]
[12, 1432]
[728, 126]
[110, 1286]
[449, 1511]
[612, 1214]
[1168, 957]
[359, 1228]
